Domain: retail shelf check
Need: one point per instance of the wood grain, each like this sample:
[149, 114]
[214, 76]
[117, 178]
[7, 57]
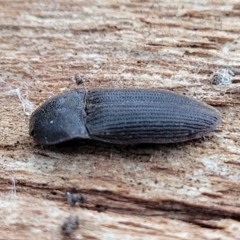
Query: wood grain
[178, 191]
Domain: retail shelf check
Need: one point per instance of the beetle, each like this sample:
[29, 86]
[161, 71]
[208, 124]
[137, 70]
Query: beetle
[122, 116]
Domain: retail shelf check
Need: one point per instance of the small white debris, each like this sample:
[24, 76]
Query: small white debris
[78, 78]
[222, 76]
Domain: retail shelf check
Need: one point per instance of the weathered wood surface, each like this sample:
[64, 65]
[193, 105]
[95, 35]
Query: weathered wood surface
[179, 191]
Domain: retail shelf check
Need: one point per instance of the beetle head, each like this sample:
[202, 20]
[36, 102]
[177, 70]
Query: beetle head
[60, 119]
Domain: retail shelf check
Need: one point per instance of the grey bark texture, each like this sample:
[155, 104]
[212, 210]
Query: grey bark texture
[177, 191]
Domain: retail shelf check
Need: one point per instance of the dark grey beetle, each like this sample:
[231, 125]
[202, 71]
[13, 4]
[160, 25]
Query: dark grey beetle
[122, 116]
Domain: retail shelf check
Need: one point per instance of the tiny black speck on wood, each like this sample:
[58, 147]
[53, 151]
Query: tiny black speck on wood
[122, 116]
[70, 224]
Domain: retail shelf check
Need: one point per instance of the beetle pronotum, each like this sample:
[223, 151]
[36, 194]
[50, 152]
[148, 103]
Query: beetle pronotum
[122, 116]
